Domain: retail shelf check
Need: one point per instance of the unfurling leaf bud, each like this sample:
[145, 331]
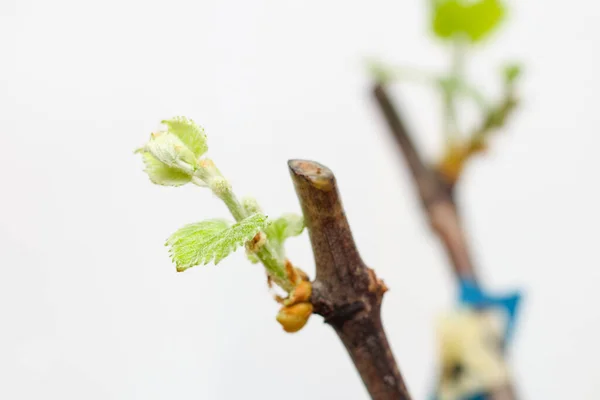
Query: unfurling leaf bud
[171, 151]
[171, 156]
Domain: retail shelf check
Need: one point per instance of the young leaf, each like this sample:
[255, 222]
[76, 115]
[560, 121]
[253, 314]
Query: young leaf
[170, 150]
[511, 73]
[286, 226]
[189, 133]
[212, 240]
[161, 174]
[473, 19]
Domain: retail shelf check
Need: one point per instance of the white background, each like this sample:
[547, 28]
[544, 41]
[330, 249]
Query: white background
[90, 305]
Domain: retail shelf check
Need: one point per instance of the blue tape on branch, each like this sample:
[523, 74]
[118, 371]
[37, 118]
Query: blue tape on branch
[481, 396]
[478, 397]
[472, 295]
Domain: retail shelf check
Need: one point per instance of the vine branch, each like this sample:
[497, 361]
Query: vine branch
[438, 199]
[436, 194]
[346, 292]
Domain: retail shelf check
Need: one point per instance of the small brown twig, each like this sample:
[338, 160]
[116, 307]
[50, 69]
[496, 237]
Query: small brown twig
[459, 152]
[438, 199]
[345, 291]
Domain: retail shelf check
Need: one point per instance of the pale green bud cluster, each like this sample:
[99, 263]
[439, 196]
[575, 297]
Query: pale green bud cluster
[173, 154]
[171, 151]
[220, 186]
[251, 205]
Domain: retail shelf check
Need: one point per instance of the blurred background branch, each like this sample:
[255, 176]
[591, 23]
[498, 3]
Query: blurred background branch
[437, 198]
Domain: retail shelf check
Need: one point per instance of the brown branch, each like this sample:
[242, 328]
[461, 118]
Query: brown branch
[437, 197]
[346, 292]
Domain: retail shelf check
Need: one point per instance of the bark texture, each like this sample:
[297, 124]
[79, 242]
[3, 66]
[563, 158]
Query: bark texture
[345, 291]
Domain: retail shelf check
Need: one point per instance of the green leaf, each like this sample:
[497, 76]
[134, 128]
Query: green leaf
[286, 226]
[189, 133]
[212, 240]
[512, 72]
[170, 150]
[473, 19]
[162, 174]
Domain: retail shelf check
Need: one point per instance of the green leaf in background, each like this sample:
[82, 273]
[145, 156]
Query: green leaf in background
[189, 133]
[472, 19]
[162, 174]
[286, 226]
[212, 240]
[512, 72]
